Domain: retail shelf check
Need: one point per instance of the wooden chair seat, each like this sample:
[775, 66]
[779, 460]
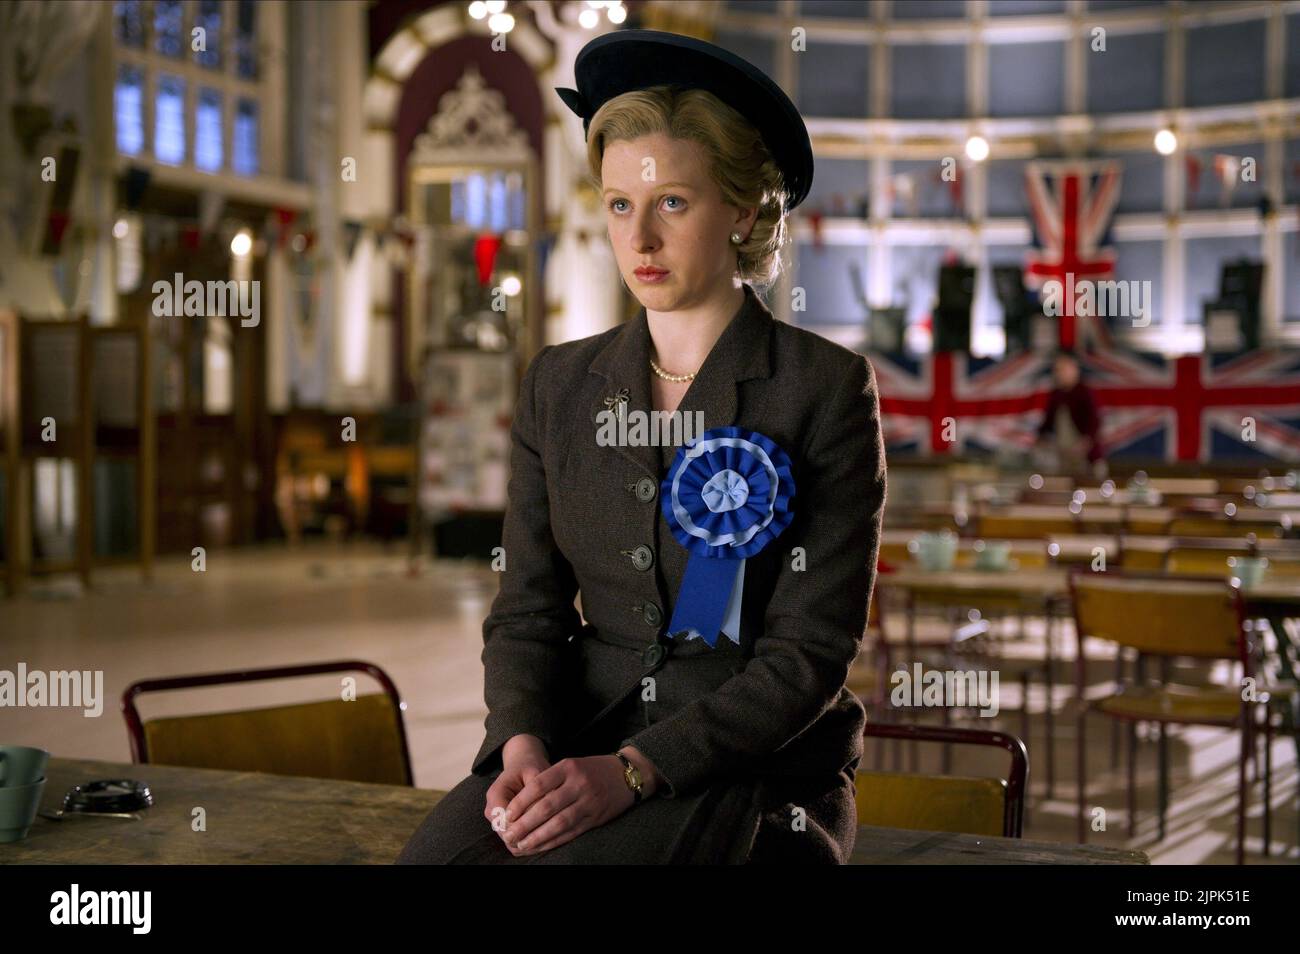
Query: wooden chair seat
[1174, 704]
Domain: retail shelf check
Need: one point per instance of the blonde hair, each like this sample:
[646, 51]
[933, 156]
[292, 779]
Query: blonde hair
[736, 157]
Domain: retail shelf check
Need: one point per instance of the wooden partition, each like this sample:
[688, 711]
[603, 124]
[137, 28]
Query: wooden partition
[71, 396]
[123, 421]
[10, 461]
[57, 434]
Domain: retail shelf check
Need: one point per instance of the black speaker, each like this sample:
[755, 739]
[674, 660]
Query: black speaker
[1242, 277]
[1009, 287]
[952, 316]
[1240, 285]
[956, 287]
[887, 329]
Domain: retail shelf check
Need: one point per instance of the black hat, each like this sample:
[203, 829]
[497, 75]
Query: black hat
[627, 60]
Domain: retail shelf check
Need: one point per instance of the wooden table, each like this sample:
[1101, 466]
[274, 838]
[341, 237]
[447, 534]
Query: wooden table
[251, 817]
[893, 846]
[254, 818]
[1049, 589]
[1053, 583]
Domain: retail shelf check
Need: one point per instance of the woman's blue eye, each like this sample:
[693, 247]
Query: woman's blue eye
[675, 198]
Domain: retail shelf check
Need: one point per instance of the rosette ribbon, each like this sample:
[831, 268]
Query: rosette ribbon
[727, 496]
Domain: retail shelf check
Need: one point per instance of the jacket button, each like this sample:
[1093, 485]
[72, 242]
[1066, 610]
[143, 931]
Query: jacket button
[643, 557]
[646, 488]
[652, 654]
[652, 615]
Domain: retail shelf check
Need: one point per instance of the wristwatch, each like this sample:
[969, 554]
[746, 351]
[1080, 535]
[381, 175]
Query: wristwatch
[632, 777]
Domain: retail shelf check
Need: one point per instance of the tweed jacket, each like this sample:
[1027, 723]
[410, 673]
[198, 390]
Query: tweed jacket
[584, 521]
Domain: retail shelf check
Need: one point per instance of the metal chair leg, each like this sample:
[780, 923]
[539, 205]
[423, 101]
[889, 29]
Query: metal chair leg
[1268, 778]
[1248, 717]
[1162, 795]
[1252, 767]
[1132, 773]
[1081, 729]
[1115, 726]
[1024, 707]
[1049, 722]
[945, 758]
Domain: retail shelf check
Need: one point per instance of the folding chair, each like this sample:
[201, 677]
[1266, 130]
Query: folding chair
[362, 740]
[977, 806]
[1166, 618]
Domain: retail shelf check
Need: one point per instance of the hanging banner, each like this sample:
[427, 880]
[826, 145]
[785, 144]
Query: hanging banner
[211, 205]
[1072, 203]
[284, 219]
[485, 255]
[55, 227]
[60, 210]
[351, 235]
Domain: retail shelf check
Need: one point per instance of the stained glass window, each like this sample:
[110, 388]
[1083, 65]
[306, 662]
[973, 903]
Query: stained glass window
[128, 109]
[169, 120]
[208, 18]
[246, 39]
[207, 131]
[128, 20]
[245, 155]
[168, 27]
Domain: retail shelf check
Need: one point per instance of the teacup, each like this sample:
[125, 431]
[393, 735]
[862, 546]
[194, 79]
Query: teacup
[993, 556]
[18, 807]
[1250, 570]
[21, 764]
[937, 551]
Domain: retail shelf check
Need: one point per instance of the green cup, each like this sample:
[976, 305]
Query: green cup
[21, 764]
[993, 556]
[1250, 570]
[18, 806]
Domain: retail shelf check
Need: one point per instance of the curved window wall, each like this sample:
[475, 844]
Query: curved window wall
[891, 89]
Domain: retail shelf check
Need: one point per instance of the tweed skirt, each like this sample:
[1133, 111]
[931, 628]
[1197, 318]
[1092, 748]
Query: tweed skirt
[757, 820]
[722, 825]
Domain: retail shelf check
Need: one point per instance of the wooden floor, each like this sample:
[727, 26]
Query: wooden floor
[272, 606]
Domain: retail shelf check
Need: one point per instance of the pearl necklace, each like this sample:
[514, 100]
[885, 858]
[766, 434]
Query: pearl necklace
[674, 378]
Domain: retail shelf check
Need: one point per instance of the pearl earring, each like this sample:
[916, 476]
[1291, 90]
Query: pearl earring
[735, 237]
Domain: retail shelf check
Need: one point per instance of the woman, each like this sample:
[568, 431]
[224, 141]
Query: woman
[724, 733]
[1071, 425]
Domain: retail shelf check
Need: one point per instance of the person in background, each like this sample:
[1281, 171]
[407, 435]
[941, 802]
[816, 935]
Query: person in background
[1071, 423]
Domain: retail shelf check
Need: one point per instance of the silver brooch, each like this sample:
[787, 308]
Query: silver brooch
[618, 402]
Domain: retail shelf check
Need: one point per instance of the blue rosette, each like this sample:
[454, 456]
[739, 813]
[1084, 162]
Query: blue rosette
[727, 495]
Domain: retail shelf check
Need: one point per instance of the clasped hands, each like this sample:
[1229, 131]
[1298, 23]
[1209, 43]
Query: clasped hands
[536, 806]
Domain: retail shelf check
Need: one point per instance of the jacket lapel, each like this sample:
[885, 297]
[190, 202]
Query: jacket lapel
[742, 352]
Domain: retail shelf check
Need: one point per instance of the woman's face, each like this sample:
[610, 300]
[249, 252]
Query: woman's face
[663, 210]
[1067, 372]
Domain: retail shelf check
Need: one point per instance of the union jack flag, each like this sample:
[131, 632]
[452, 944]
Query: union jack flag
[950, 401]
[1072, 204]
[1193, 407]
[1198, 407]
